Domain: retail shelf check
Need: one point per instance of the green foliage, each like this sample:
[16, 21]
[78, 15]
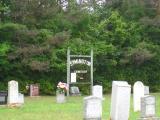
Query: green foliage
[8, 31]
[47, 87]
[4, 48]
[35, 36]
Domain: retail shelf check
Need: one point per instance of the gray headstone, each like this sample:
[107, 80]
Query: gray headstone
[74, 90]
[3, 97]
[148, 106]
[97, 91]
[120, 100]
[148, 110]
[60, 98]
[20, 98]
[146, 90]
[92, 108]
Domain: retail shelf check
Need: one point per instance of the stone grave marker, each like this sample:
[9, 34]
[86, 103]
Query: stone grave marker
[20, 98]
[146, 90]
[74, 91]
[120, 100]
[3, 97]
[148, 108]
[60, 98]
[13, 92]
[92, 108]
[34, 90]
[97, 91]
[138, 92]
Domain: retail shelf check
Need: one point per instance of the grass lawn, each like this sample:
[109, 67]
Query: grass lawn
[46, 108]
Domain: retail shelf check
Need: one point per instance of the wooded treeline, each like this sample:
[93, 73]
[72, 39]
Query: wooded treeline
[35, 35]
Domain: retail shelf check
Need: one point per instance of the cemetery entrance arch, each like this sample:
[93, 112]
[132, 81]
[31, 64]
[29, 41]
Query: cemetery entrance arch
[79, 70]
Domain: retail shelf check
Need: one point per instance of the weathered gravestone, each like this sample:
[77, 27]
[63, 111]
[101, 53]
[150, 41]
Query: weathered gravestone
[92, 108]
[74, 91]
[146, 90]
[97, 91]
[3, 97]
[20, 98]
[138, 92]
[13, 92]
[148, 108]
[34, 90]
[120, 100]
[61, 98]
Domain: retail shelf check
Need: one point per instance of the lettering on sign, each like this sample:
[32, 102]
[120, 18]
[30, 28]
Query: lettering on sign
[80, 61]
[80, 71]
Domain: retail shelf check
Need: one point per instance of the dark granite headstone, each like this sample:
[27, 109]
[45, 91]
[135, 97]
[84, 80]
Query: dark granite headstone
[3, 97]
[74, 91]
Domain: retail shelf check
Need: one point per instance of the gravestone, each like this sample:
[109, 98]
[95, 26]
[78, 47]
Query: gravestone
[34, 90]
[146, 90]
[74, 91]
[138, 92]
[92, 108]
[20, 98]
[3, 97]
[60, 98]
[97, 91]
[148, 108]
[13, 92]
[120, 100]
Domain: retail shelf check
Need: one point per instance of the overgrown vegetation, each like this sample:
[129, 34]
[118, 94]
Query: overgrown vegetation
[35, 35]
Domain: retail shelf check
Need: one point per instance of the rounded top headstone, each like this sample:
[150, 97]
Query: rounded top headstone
[138, 83]
[13, 82]
[138, 92]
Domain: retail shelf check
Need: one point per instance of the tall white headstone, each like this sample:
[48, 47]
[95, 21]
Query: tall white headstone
[120, 100]
[97, 91]
[92, 108]
[138, 93]
[13, 94]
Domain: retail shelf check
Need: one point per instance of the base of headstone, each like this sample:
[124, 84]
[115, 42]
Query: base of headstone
[149, 118]
[92, 119]
[61, 98]
[14, 105]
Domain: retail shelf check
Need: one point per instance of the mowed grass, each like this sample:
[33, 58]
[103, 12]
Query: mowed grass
[46, 108]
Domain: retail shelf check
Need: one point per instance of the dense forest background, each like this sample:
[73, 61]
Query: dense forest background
[35, 35]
